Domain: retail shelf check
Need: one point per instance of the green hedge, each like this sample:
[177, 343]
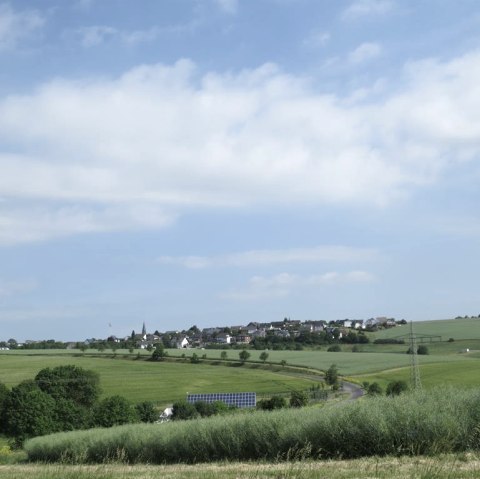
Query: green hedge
[443, 420]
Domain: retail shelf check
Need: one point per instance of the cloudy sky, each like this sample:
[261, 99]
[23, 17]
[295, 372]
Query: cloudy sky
[215, 162]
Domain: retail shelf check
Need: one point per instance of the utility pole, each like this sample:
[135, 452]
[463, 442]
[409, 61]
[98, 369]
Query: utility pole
[415, 370]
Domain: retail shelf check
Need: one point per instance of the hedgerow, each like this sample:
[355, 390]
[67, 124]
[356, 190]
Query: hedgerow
[439, 421]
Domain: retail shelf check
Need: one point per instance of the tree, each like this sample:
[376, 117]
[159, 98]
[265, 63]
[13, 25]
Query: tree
[331, 375]
[394, 388]
[113, 411]
[159, 354]
[243, 355]
[263, 356]
[298, 399]
[70, 382]
[146, 411]
[194, 359]
[422, 349]
[223, 355]
[28, 412]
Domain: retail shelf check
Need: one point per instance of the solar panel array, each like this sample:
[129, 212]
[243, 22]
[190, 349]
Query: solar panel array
[231, 399]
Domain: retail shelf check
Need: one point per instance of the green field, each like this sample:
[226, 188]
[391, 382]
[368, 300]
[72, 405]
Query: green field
[160, 382]
[168, 381]
[446, 328]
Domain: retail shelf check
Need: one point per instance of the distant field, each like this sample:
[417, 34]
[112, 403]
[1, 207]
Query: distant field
[465, 373]
[446, 328]
[348, 363]
[161, 382]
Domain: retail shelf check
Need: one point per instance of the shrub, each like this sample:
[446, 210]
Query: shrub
[389, 341]
[275, 402]
[422, 349]
[334, 348]
[374, 389]
[394, 388]
[298, 399]
[146, 411]
[184, 410]
[113, 411]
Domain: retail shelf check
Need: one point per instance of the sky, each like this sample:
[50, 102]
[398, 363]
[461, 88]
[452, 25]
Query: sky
[216, 162]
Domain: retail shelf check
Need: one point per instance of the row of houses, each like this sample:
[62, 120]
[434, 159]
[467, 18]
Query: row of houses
[229, 335]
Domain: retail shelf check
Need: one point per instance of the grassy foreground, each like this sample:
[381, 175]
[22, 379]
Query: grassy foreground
[440, 467]
[433, 422]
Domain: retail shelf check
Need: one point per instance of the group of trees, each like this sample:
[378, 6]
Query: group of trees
[394, 388]
[63, 399]
[308, 339]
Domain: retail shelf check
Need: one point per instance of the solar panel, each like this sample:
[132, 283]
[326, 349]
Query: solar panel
[231, 399]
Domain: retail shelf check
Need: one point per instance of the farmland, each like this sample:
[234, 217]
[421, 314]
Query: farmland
[160, 382]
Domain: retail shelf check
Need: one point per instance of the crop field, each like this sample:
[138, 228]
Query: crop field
[460, 373]
[446, 328]
[160, 382]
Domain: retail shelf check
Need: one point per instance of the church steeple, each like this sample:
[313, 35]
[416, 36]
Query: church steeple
[144, 329]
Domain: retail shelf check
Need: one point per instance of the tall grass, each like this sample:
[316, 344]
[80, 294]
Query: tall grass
[439, 421]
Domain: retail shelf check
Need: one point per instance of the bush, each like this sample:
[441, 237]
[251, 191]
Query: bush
[146, 412]
[113, 411]
[184, 410]
[389, 341]
[422, 349]
[275, 402]
[394, 388]
[298, 399]
[334, 348]
[374, 389]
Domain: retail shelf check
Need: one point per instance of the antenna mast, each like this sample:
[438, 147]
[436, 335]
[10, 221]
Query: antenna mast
[415, 370]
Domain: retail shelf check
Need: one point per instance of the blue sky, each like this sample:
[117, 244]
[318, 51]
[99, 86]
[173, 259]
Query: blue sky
[216, 162]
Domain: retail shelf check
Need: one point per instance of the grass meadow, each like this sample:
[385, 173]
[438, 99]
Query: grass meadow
[446, 328]
[458, 466]
[161, 382]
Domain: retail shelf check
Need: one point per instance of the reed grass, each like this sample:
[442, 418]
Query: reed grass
[419, 423]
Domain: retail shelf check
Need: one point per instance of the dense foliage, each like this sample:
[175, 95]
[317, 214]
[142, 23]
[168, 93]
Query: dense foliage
[443, 420]
[63, 398]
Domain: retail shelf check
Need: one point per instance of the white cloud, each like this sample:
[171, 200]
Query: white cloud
[17, 25]
[20, 225]
[164, 139]
[365, 8]
[272, 257]
[97, 34]
[284, 284]
[365, 52]
[317, 39]
[228, 6]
